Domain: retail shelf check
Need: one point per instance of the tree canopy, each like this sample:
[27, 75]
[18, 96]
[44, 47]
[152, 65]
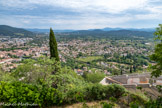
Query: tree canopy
[157, 55]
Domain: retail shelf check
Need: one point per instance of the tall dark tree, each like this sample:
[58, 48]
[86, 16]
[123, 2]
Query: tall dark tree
[134, 68]
[53, 46]
[121, 72]
[130, 69]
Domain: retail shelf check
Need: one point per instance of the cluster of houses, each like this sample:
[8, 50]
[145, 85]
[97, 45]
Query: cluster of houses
[70, 48]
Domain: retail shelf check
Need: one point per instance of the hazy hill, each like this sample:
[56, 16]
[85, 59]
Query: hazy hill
[106, 32]
[13, 31]
[37, 30]
[131, 29]
[47, 30]
[114, 33]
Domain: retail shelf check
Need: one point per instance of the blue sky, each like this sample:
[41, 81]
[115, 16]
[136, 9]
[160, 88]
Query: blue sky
[81, 14]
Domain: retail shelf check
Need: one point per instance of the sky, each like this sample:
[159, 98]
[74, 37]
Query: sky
[81, 14]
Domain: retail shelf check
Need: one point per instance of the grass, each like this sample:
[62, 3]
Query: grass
[93, 104]
[90, 58]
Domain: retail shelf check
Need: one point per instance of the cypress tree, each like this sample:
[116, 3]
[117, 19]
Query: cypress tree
[134, 68]
[121, 72]
[53, 46]
[130, 69]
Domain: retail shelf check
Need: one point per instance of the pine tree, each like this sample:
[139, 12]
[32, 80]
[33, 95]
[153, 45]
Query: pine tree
[53, 46]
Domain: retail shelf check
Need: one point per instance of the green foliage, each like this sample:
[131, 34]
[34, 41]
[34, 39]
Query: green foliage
[95, 92]
[158, 33]
[130, 69]
[157, 55]
[15, 32]
[137, 99]
[114, 90]
[154, 103]
[134, 105]
[139, 87]
[112, 99]
[17, 92]
[65, 81]
[74, 95]
[40, 71]
[6, 76]
[37, 71]
[115, 71]
[37, 84]
[138, 103]
[91, 92]
[94, 77]
[159, 87]
[107, 105]
[53, 46]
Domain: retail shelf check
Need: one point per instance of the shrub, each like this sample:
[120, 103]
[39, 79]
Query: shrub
[139, 87]
[154, 103]
[137, 100]
[34, 71]
[107, 105]
[99, 92]
[92, 92]
[134, 105]
[18, 92]
[112, 99]
[114, 90]
[94, 77]
[74, 95]
[6, 76]
[95, 92]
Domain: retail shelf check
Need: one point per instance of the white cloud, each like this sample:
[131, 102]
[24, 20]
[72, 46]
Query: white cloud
[78, 22]
[112, 6]
[91, 13]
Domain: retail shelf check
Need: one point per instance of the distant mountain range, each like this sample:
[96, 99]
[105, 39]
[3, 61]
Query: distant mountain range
[47, 30]
[131, 29]
[6, 30]
[104, 29]
[114, 33]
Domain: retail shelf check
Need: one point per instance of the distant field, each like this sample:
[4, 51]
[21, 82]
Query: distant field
[117, 63]
[90, 58]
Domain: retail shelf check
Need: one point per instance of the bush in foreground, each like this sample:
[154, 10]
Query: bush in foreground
[18, 92]
[91, 92]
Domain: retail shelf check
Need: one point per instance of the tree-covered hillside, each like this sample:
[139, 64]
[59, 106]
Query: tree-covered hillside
[12, 31]
[127, 34]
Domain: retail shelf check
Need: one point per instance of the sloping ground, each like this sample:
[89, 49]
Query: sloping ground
[147, 91]
[94, 104]
[12, 31]
[123, 102]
